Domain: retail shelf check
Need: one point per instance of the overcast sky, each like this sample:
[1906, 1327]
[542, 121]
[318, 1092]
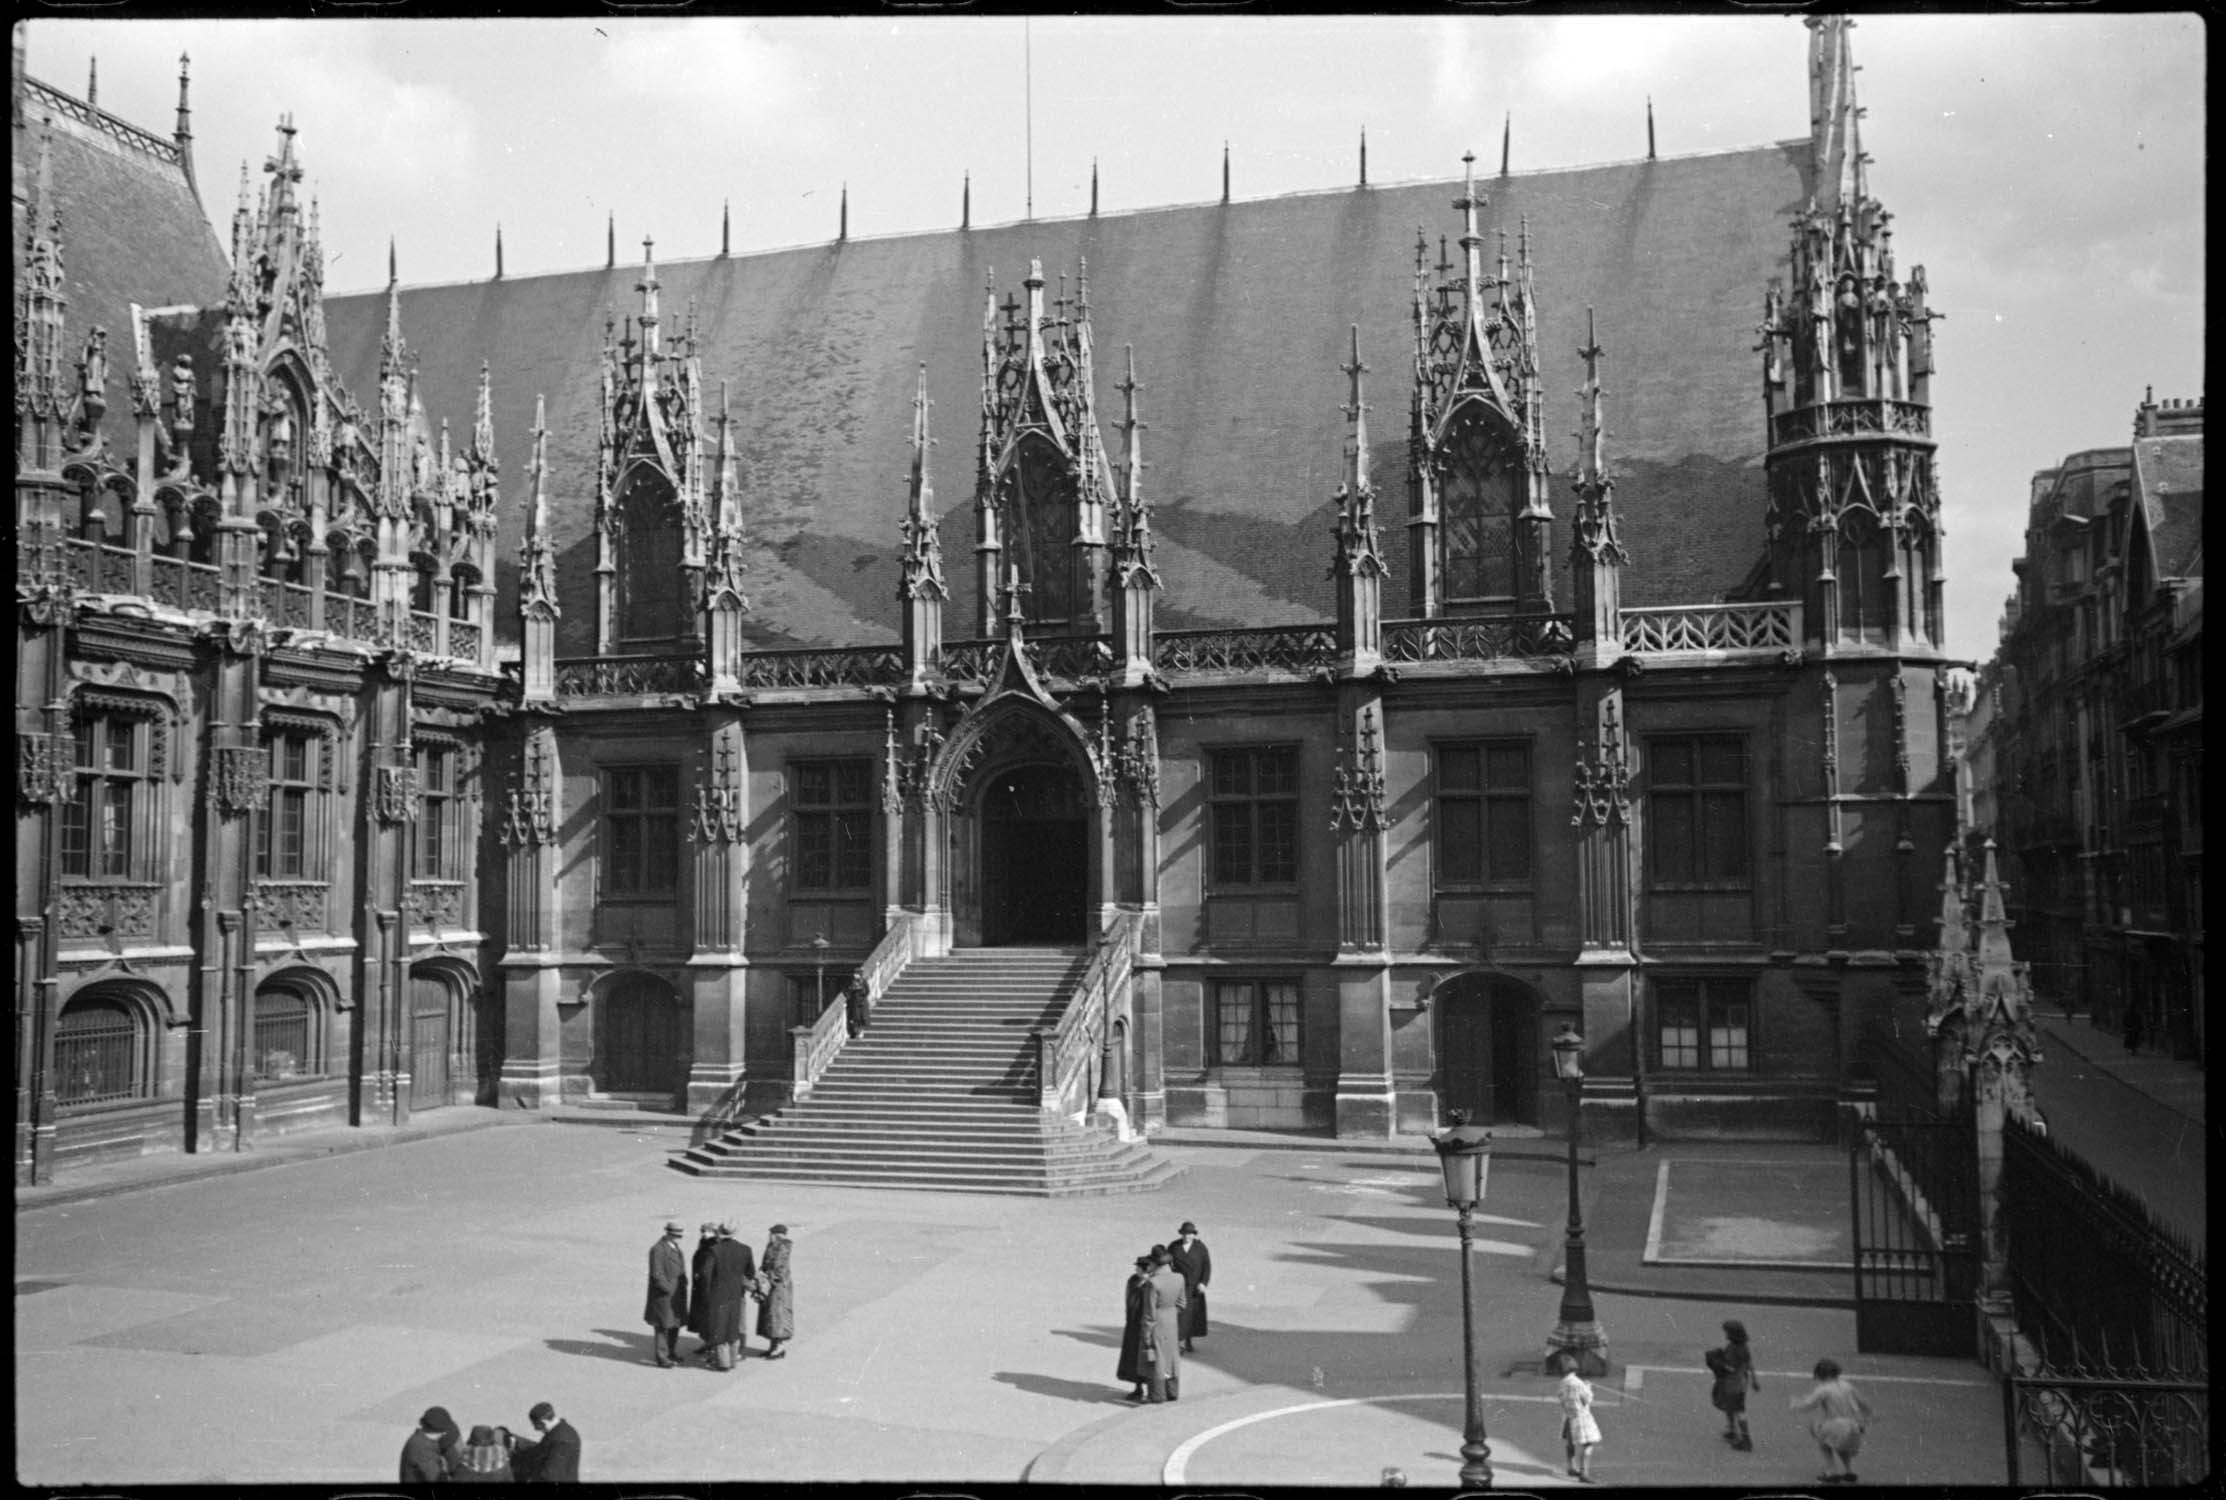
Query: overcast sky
[2047, 169]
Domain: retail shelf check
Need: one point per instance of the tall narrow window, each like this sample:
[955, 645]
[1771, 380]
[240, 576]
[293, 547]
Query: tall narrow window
[1697, 803]
[438, 826]
[1255, 1022]
[289, 845]
[641, 831]
[1254, 812]
[1476, 505]
[1483, 814]
[650, 603]
[102, 823]
[1703, 1025]
[834, 825]
[1042, 519]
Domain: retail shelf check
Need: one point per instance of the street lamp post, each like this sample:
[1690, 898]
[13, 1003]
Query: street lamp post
[820, 946]
[1577, 1342]
[1465, 1157]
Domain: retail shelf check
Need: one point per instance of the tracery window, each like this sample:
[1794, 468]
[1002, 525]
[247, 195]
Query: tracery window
[1042, 517]
[293, 828]
[106, 823]
[1476, 505]
[649, 585]
[439, 822]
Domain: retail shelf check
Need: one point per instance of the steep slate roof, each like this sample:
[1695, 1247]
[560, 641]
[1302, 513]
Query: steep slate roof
[132, 228]
[2168, 478]
[1238, 314]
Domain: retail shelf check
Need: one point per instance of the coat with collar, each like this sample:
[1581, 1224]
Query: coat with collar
[667, 1303]
[553, 1460]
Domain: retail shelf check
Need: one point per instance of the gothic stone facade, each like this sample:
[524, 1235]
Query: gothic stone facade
[1672, 771]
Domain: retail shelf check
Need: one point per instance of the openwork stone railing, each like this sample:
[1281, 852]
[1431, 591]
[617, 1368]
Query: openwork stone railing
[298, 904]
[1508, 637]
[839, 666]
[287, 604]
[440, 904]
[1849, 419]
[1069, 656]
[1712, 627]
[186, 585]
[1287, 648]
[97, 569]
[91, 910]
[463, 639]
[1064, 1054]
[627, 676]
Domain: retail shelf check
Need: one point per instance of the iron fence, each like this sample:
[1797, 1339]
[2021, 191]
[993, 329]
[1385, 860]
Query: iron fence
[2101, 1431]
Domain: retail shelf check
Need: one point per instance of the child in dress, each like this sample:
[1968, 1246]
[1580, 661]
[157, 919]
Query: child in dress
[1579, 1431]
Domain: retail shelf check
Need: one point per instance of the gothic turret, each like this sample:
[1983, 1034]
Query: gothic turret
[723, 600]
[1358, 569]
[40, 302]
[920, 587]
[1596, 555]
[1477, 488]
[1043, 486]
[1854, 509]
[1135, 581]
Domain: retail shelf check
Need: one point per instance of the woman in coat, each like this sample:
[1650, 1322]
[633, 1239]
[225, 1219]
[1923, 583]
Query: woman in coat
[699, 1274]
[1131, 1367]
[733, 1277]
[1164, 1303]
[776, 1303]
[1195, 1266]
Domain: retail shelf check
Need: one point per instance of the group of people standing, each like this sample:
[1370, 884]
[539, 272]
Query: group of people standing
[1165, 1313]
[439, 1451]
[709, 1294]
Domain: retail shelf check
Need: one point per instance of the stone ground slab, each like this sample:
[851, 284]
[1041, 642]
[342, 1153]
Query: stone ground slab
[1762, 1213]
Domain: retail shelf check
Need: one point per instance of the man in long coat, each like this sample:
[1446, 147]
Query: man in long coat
[1164, 1304]
[1195, 1266]
[699, 1270]
[667, 1306]
[733, 1269]
[776, 1299]
[1131, 1367]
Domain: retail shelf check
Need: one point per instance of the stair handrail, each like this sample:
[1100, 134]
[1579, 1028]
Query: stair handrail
[1063, 1054]
[813, 1047]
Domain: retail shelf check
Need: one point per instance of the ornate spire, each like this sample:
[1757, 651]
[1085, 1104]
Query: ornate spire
[498, 250]
[842, 229]
[537, 554]
[726, 228]
[1595, 532]
[1093, 187]
[1364, 156]
[1833, 132]
[610, 242]
[1359, 538]
[40, 302]
[1224, 171]
[922, 563]
[92, 82]
[1650, 127]
[1506, 142]
[966, 202]
[722, 583]
[1133, 530]
[482, 450]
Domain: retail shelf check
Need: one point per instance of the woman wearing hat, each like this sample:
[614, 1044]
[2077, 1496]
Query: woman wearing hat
[485, 1458]
[1131, 1367]
[776, 1304]
[430, 1451]
[1195, 1267]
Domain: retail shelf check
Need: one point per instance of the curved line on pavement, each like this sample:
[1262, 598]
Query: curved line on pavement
[1178, 1462]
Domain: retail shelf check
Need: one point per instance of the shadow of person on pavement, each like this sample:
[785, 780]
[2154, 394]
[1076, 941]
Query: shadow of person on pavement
[1104, 1338]
[1106, 1394]
[627, 1347]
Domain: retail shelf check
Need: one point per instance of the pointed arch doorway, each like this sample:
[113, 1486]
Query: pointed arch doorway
[1488, 1048]
[1034, 873]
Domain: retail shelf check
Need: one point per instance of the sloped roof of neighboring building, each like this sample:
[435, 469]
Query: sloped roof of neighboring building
[1238, 315]
[2168, 475]
[132, 228]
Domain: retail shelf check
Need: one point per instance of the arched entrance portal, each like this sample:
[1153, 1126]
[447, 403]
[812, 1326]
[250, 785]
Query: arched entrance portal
[1035, 856]
[639, 1037]
[1488, 1048]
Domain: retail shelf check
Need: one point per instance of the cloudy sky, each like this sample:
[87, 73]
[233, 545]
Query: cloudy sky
[2047, 169]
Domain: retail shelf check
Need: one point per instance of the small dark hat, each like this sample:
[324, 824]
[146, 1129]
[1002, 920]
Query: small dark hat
[674, 1226]
[437, 1419]
[482, 1437]
[780, 1229]
[1160, 1257]
[1142, 1261]
[1188, 1228]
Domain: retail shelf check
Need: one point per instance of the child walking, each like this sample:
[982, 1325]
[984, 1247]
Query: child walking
[1734, 1368]
[1579, 1431]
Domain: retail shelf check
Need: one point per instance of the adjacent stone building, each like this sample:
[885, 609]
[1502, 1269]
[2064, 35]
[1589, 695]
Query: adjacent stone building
[1361, 727]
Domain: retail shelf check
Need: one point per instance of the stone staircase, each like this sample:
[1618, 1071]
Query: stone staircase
[940, 1094]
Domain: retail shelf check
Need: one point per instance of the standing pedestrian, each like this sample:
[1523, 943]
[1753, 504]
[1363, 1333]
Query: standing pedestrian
[1131, 1367]
[1195, 1266]
[1733, 1365]
[1842, 1417]
[555, 1458]
[699, 1273]
[776, 1300]
[485, 1459]
[733, 1270]
[1580, 1431]
[1164, 1304]
[666, 1308]
[423, 1459]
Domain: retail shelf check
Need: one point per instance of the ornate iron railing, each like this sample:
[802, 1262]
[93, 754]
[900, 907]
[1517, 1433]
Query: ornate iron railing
[1064, 1054]
[1712, 627]
[836, 666]
[1270, 648]
[627, 676]
[2094, 1431]
[1851, 419]
[1505, 638]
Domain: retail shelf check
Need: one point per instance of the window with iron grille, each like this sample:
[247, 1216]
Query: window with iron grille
[286, 1035]
[103, 823]
[1483, 815]
[1697, 805]
[1255, 1023]
[439, 829]
[1253, 808]
[292, 845]
[641, 830]
[1703, 1025]
[834, 825]
[100, 1052]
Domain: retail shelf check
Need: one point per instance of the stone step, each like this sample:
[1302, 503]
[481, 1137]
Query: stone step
[1157, 1178]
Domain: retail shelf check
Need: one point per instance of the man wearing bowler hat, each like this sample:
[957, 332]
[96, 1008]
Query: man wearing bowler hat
[1195, 1266]
[666, 1310]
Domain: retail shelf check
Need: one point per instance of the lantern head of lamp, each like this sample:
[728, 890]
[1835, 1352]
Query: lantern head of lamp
[1568, 1048]
[1465, 1156]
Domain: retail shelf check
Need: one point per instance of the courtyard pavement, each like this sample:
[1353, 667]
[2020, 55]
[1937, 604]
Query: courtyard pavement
[287, 1325]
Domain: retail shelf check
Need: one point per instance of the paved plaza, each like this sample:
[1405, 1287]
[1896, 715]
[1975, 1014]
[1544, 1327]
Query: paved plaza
[288, 1325]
